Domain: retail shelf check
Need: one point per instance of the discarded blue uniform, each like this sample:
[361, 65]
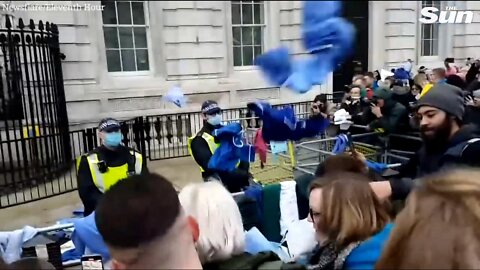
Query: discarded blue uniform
[232, 149]
[341, 144]
[86, 237]
[176, 96]
[376, 166]
[282, 124]
[326, 37]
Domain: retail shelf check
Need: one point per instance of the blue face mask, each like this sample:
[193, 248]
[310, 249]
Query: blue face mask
[215, 120]
[113, 139]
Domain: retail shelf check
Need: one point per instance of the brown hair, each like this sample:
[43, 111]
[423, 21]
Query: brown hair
[370, 74]
[128, 214]
[438, 229]
[350, 87]
[439, 72]
[420, 79]
[358, 77]
[350, 210]
[344, 163]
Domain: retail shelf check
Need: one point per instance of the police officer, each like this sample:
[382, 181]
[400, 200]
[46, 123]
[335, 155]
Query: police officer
[104, 166]
[202, 146]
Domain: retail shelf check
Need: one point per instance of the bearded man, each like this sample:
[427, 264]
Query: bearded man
[447, 142]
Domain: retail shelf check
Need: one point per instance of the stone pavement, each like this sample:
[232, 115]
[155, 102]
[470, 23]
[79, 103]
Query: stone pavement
[46, 212]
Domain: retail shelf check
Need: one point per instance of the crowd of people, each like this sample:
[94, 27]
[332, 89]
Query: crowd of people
[388, 104]
[351, 208]
[146, 224]
[423, 218]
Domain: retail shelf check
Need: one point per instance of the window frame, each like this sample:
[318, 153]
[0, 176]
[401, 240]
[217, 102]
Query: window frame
[232, 25]
[420, 40]
[148, 37]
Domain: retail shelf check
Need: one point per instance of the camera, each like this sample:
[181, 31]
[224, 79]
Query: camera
[102, 166]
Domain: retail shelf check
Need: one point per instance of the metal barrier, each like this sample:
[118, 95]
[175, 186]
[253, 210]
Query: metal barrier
[310, 153]
[38, 151]
[277, 168]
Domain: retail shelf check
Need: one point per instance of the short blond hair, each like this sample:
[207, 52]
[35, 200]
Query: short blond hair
[219, 219]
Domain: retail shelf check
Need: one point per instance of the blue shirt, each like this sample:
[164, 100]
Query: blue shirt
[366, 255]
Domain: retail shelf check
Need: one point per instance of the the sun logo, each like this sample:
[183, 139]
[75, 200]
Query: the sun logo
[449, 15]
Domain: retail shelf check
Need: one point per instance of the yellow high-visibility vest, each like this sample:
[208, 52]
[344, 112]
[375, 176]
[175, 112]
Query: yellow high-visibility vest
[212, 145]
[103, 181]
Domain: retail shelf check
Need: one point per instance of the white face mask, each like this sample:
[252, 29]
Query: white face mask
[215, 120]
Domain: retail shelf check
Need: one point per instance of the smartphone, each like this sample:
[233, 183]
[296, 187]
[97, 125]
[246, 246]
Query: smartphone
[92, 262]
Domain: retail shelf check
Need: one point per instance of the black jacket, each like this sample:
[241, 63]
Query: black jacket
[470, 77]
[359, 111]
[472, 115]
[89, 193]
[395, 117]
[424, 163]
[405, 99]
[472, 86]
[233, 181]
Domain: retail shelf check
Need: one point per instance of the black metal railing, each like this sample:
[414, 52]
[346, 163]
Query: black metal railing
[166, 136]
[38, 151]
[157, 137]
[35, 143]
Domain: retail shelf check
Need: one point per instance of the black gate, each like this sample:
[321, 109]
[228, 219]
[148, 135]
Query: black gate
[355, 12]
[35, 144]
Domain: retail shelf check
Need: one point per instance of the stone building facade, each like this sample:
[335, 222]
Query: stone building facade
[122, 57]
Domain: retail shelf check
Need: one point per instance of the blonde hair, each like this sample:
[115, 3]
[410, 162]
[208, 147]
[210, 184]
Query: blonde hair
[219, 219]
[439, 226]
[350, 210]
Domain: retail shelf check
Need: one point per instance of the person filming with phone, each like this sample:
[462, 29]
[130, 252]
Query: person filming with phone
[472, 109]
[105, 165]
[321, 107]
[390, 115]
[357, 107]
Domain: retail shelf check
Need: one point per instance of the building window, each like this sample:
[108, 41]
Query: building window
[429, 33]
[125, 33]
[248, 26]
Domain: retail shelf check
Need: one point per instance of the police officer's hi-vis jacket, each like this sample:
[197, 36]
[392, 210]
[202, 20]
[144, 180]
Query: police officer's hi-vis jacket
[101, 168]
[202, 146]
